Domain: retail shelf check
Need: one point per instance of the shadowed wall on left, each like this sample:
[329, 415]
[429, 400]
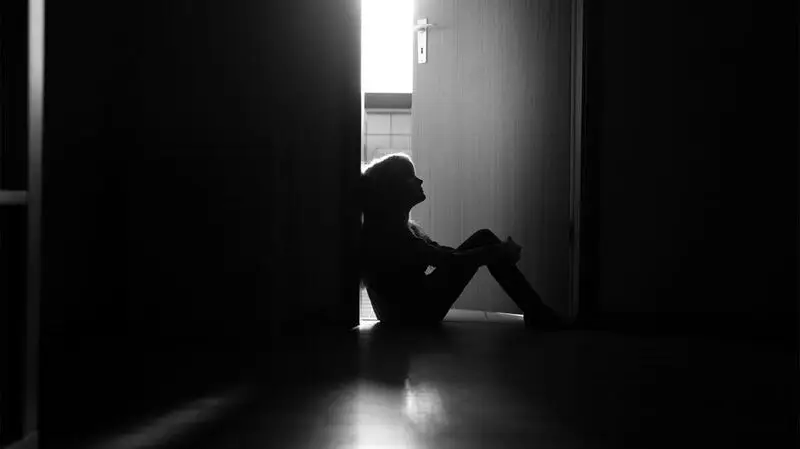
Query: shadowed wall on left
[198, 164]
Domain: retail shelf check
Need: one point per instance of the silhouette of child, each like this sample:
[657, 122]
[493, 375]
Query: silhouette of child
[396, 254]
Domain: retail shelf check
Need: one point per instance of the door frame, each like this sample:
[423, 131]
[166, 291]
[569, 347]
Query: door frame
[576, 153]
[36, 61]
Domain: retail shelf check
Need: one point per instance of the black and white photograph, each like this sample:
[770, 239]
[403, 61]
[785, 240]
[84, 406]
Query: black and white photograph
[399, 224]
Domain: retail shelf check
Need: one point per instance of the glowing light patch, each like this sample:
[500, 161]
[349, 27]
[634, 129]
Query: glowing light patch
[171, 425]
[378, 422]
[423, 406]
[387, 45]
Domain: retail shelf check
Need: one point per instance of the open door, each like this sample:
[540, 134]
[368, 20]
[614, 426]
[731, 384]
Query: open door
[492, 135]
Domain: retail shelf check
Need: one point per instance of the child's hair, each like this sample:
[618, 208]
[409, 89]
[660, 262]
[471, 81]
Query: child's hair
[379, 183]
[379, 189]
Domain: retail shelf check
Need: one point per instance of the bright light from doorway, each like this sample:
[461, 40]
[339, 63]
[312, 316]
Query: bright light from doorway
[387, 45]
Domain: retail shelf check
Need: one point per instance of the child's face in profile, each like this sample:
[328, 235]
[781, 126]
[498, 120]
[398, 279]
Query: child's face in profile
[412, 185]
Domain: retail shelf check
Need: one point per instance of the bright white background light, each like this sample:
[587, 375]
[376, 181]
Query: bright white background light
[387, 45]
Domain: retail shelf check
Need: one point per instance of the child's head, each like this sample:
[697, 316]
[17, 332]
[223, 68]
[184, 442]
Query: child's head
[389, 184]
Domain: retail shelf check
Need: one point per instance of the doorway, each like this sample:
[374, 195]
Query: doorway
[494, 116]
[387, 51]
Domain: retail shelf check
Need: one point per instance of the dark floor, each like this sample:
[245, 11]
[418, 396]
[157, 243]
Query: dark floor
[468, 384]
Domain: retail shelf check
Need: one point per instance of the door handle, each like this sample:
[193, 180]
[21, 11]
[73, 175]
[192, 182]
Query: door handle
[422, 40]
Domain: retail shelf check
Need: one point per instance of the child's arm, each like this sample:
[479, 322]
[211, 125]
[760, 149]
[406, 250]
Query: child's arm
[436, 255]
[421, 234]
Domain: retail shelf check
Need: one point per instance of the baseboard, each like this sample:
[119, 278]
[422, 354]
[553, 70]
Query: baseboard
[31, 441]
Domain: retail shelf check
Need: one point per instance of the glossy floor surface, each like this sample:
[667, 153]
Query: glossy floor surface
[475, 384]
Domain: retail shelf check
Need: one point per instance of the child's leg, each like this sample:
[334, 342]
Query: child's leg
[516, 286]
[512, 280]
[447, 283]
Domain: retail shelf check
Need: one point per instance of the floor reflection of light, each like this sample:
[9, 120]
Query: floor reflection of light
[366, 324]
[423, 406]
[378, 421]
[510, 315]
[168, 426]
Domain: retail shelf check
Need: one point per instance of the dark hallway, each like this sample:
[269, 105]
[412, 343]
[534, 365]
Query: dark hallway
[196, 283]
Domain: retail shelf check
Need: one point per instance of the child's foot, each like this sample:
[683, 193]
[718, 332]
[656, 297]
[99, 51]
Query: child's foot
[545, 319]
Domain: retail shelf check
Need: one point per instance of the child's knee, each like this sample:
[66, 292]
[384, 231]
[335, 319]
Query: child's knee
[488, 236]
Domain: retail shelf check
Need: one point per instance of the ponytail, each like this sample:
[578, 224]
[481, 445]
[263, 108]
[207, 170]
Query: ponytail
[376, 191]
[378, 185]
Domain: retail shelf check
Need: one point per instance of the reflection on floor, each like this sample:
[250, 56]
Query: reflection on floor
[468, 384]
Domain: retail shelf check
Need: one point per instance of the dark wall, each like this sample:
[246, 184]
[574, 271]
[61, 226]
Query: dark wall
[13, 95]
[690, 177]
[13, 222]
[12, 321]
[198, 161]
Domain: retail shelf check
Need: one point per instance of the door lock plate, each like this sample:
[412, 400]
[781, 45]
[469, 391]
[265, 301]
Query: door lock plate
[422, 40]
